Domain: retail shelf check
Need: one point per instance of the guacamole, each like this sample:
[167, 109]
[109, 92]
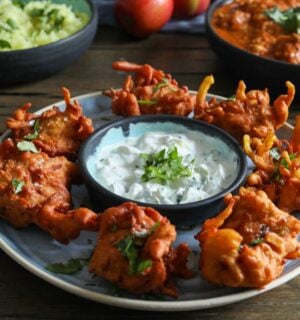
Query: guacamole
[36, 23]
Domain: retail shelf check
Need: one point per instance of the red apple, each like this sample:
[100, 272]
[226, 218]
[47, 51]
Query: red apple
[190, 8]
[143, 17]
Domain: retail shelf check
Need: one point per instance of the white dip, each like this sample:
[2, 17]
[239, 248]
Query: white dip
[120, 167]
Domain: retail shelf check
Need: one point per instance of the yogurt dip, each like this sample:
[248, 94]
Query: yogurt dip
[209, 164]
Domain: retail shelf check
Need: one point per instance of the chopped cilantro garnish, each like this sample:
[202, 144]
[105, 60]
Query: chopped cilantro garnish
[27, 146]
[35, 133]
[154, 227]
[129, 250]
[255, 242]
[232, 98]
[11, 23]
[18, 3]
[17, 185]
[4, 44]
[289, 19]
[166, 165]
[70, 267]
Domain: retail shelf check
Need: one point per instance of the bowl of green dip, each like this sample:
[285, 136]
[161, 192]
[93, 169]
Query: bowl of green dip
[39, 38]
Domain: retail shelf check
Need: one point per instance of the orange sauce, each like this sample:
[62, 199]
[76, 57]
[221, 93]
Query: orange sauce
[244, 24]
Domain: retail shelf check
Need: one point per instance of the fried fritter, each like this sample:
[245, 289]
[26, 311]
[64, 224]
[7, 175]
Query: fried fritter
[34, 189]
[134, 250]
[55, 132]
[247, 113]
[151, 91]
[246, 244]
[277, 168]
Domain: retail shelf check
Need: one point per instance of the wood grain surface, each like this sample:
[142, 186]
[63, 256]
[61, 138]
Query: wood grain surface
[188, 58]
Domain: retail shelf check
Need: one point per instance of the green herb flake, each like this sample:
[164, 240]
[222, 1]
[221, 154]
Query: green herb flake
[17, 185]
[289, 19]
[255, 242]
[4, 44]
[292, 156]
[128, 249]
[232, 97]
[70, 267]
[154, 227]
[143, 265]
[284, 163]
[35, 133]
[11, 23]
[18, 3]
[27, 146]
[164, 166]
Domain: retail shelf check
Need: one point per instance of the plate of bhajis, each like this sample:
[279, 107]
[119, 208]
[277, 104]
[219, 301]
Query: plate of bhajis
[132, 256]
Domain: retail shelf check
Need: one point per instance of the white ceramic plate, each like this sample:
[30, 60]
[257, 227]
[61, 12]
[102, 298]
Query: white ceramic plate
[34, 249]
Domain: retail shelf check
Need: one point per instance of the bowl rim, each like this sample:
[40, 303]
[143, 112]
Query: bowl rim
[185, 121]
[210, 28]
[93, 17]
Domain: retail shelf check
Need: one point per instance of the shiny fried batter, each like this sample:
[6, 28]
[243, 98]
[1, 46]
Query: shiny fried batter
[150, 91]
[33, 183]
[277, 168]
[246, 244]
[57, 132]
[134, 250]
[248, 113]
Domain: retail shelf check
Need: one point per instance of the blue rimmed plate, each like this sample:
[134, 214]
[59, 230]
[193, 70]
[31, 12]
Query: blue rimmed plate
[34, 249]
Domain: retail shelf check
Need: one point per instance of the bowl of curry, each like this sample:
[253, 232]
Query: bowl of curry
[259, 40]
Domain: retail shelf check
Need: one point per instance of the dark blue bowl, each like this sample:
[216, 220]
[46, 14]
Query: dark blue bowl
[257, 71]
[19, 66]
[179, 214]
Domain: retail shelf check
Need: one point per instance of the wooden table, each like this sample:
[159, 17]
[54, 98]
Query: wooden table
[188, 58]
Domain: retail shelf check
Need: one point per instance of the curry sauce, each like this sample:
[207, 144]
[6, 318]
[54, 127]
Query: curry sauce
[247, 25]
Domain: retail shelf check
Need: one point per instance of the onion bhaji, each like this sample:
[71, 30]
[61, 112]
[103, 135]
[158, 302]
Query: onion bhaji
[277, 168]
[134, 250]
[150, 91]
[247, 113]
[55, 132]
[246, 244]
[34, 189]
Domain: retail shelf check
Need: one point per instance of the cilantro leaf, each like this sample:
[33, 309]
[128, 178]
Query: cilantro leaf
[4, 44]
[35, 133]
[17, 185]
[166, 165]
[70, 267]
[232, 97]
[154, 227]
[255, 242]
[289, 19]
[143, 265]
[27, 146]
[18, 3]
[129, 250]
[11, 23]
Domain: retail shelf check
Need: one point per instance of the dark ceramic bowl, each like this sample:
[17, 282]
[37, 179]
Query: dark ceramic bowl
[27, 65]
[116, 131]
[258, 71]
